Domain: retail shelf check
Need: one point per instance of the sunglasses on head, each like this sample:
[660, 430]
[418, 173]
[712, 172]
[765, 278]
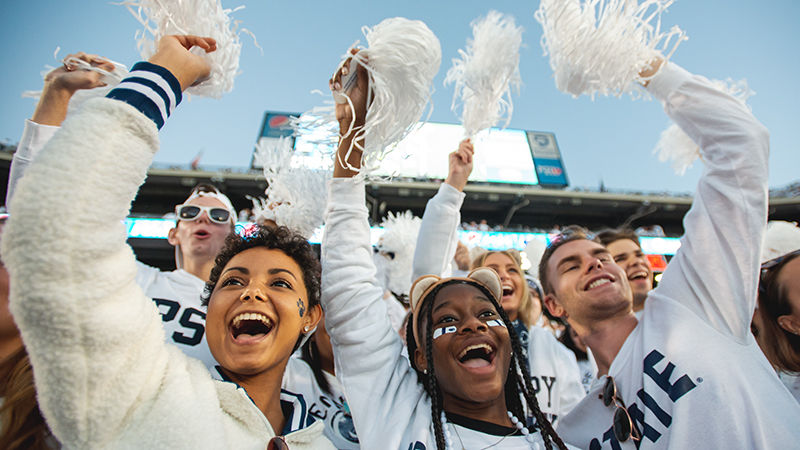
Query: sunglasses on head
[192, 212]
[623, 425]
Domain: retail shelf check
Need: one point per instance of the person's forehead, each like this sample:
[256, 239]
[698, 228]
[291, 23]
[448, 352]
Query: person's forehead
[460, 294]
[790, 273]
[500, 259]
[576, 249]
[262, 259]
[621, 246]
[206, 201]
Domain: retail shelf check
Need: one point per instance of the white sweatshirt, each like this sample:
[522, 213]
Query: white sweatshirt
[554, 370]
[105, 376]
[176, 293]
[177, 297]
[691, 374]
[390, 408]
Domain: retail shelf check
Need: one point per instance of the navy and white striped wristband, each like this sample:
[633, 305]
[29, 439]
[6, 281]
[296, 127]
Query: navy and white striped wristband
[151, 89]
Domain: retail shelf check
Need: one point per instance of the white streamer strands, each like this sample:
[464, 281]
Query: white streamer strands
[678, 148]
[486, 72]
[401, 60]
[400, 237]
[111, 80]
[296, 196]
[601, 46]
[273, 155]
[204, 18]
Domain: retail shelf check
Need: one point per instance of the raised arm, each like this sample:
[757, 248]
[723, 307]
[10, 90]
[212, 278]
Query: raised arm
[715, 272]
[367, 352]
[95, 341]
[438, 234]
[59, 87]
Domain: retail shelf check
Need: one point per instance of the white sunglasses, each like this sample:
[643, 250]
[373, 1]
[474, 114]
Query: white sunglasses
[192, 212]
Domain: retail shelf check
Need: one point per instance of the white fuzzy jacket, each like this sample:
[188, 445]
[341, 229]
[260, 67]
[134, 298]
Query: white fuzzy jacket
[105, 377]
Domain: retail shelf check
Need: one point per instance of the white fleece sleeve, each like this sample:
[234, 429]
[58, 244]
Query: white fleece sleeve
[715, 271]
[379, 384]
[438, 234]
[34, 137]
[95, 341]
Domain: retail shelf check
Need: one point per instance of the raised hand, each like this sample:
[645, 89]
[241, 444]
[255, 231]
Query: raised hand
[61, 83]
[173, 54]
[352, 114]
[460, 165]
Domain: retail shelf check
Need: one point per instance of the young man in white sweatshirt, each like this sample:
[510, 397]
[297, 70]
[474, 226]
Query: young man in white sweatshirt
[688, 373]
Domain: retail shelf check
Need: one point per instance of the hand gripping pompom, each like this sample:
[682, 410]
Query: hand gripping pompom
[601, 46]
[197, 17]
[486, 72]
[111, 80]
[401, 59]
[677, 147]
[296, 196]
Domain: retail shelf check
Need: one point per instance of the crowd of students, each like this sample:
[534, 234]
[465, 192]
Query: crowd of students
[254, 342]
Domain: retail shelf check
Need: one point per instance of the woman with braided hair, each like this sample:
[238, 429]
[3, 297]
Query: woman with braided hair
[466, 388]
[446, 306]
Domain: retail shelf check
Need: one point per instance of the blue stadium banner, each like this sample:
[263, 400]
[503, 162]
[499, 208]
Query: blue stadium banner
[547, 159]
[274, 126]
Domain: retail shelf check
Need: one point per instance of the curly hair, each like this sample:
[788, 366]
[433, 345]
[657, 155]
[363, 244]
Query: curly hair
[292, 244]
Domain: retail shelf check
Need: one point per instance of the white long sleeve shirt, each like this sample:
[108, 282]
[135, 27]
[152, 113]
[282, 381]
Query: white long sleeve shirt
[691, 374]
[390, 407]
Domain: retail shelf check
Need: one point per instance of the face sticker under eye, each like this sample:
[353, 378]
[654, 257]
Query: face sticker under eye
[439, 332]
[301, 307]
[495, 323]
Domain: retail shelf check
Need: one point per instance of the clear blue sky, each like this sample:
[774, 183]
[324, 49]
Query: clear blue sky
[609, 139]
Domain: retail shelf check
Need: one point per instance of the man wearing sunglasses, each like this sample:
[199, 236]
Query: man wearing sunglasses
[204, 220]
[687, 373]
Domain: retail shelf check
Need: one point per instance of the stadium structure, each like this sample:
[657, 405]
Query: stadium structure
[506, 207]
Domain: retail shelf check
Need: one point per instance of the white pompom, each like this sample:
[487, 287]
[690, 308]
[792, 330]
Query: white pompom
[296, 197]
[400, 238]
[601, 46]
[205, 18]
[781, 238]
[486, 72]
[677, 147]
[273, 155]
[401, 59]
